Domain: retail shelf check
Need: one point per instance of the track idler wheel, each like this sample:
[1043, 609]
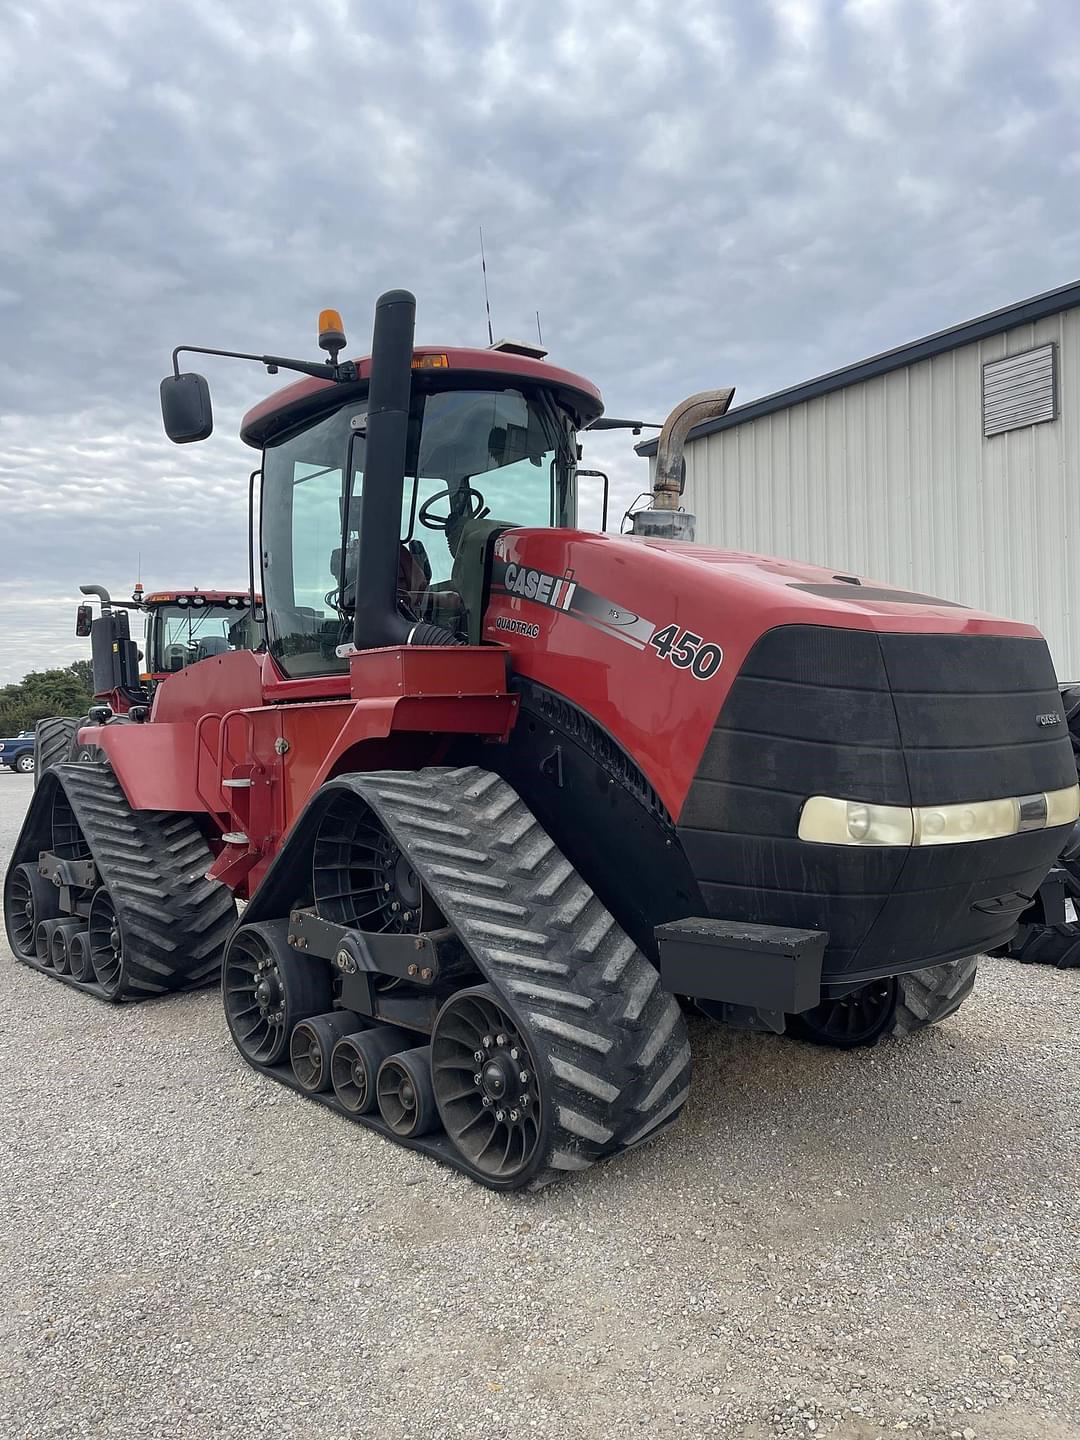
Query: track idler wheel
[78, 949]
[859, 1018]
[28, 900]
[312, 1044]
[268, 988]
[106, 940]
[487, 1088]
[60, 942]
[355, 1063]
[405, 1093]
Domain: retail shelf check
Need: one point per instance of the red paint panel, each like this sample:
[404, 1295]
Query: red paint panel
[661, 714]
[426, 670]
[233, 681]
[154, 763]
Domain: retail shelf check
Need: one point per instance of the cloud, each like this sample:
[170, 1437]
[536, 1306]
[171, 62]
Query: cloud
[690, 196]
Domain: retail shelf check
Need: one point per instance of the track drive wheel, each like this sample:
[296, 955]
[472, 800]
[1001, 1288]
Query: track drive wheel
[28, 899]
[861, 1017]
[487, 1087]
[268, 988]
[896, 1005]
[405, 1093]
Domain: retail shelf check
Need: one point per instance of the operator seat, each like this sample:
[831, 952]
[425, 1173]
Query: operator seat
[211, 645]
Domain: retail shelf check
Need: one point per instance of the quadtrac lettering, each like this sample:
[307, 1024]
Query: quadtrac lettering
[517, 627]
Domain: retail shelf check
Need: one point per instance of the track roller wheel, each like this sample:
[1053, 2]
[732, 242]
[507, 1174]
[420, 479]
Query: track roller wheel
[28, 900]
[43, 942]
[859, 1018]
[268, 988]
[312, 1043]
[486, 1086]
[78, 947]
[60, 940]
[355, 1063]
[106, 939]
[405, 1093]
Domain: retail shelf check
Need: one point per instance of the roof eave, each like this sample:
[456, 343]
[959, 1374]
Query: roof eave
[1050, 302]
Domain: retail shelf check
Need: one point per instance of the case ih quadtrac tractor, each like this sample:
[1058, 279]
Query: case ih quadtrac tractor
[501, 793]
[182, 628]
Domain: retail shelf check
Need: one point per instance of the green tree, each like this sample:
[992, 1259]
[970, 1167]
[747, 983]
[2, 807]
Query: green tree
[43, 693]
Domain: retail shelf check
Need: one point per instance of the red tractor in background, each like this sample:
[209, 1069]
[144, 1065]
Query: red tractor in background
[500, 792]
[182, 628]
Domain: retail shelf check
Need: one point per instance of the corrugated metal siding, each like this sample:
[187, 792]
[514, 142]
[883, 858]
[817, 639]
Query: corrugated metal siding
[894, 479]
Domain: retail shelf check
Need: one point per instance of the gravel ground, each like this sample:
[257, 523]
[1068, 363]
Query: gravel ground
[827, 1244]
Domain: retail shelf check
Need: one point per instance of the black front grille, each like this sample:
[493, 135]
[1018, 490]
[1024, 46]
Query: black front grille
[896, 719]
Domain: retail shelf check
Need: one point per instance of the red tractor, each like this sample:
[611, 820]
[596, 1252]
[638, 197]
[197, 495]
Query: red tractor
[182, 628]
[501, 793]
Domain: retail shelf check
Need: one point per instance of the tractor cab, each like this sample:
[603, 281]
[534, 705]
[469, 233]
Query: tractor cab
[490, 444]
[385, 482]
[182, 628]
[186, 626]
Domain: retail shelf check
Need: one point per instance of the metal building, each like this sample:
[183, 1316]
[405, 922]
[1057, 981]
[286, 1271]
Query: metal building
[950, 466]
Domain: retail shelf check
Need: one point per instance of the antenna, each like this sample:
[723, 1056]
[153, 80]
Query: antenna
[539, 332]
[487, 302]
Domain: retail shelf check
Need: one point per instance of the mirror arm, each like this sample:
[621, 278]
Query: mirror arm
[342, 373]
[606, 423]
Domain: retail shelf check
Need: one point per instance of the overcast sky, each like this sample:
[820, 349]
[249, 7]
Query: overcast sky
[692, 194]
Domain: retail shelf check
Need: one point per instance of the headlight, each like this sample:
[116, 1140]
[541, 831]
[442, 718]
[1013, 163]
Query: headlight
[827, 821]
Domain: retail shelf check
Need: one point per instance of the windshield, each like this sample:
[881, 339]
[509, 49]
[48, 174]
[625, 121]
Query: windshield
[179, 635]
[473, 456]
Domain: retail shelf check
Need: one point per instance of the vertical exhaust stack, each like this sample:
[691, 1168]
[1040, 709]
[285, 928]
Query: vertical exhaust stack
[376, 621]
[664, 520]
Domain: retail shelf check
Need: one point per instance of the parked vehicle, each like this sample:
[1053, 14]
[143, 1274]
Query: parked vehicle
[18, 752]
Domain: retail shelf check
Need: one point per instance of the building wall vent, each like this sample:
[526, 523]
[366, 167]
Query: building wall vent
[1020, 390]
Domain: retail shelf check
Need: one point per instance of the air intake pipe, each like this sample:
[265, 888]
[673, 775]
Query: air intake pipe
[377, 622]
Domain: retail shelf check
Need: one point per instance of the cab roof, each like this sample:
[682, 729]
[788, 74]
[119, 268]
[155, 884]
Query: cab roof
[305, 399]
[208, 597]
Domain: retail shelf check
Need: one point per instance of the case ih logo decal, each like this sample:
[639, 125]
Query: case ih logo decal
[554, 590]
[684, 649]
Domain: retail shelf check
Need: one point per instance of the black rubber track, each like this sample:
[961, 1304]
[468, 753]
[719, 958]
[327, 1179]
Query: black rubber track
[53, 742]
[612, 1045]
[926, 997]
[611, 1042]
[1058, 945]
[175, 922]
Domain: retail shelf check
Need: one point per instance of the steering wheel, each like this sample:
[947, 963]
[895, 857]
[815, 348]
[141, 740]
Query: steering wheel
[476, 509]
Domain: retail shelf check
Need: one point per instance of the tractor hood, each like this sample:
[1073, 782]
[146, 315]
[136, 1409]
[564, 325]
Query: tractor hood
[647, 636]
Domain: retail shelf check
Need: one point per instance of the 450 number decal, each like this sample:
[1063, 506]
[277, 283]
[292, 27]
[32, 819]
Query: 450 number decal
[687, 651]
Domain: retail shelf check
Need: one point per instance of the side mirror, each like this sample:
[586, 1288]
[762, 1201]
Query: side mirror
[84, 618]
[185, 408]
